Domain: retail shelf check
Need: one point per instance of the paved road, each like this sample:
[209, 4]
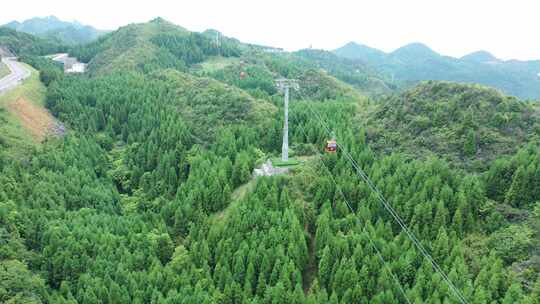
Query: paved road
[17, 75]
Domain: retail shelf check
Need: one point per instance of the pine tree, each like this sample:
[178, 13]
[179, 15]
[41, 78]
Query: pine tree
[325, 267]
[470, 145]
[513, 295]
[517, 194]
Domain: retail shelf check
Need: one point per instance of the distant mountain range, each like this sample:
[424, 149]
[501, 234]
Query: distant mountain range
[370, 70]
[53, 28]
[416, 62]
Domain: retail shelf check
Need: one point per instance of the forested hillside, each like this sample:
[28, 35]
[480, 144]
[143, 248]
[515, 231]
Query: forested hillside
[146, 47]
[416, 62]
[149, 198]
[469, 125]
[162, 45]
[22, 43]
[361, 76]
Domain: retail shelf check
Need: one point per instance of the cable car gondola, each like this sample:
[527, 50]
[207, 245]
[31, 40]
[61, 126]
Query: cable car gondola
[331, 146]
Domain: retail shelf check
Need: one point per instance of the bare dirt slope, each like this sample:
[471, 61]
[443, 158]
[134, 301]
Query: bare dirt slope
[37, 120]
[24, 120]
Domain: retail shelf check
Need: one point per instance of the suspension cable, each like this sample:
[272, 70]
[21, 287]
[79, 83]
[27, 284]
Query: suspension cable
[387, 206]
[364, 230]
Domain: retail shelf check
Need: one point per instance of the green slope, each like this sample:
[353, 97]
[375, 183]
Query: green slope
[15, 139]
[23, 43]
[357, 74]
[148, 46]
[469, 125]
[159, 44]
[257, 73]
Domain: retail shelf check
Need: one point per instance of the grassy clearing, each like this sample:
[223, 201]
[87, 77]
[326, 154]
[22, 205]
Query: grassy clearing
[4, 70]
[15, 140]
[236, 198]
[217, 63]
[277, 162]
[240, 193]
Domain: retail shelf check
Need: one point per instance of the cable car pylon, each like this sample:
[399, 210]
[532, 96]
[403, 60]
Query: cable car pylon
[284, 84]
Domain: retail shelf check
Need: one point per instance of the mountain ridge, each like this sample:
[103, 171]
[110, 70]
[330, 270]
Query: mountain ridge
[52, 27]
[481, 56]
[414, 48]
[417, 62]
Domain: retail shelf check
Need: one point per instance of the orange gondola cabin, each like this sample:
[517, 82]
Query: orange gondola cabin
[331, 146]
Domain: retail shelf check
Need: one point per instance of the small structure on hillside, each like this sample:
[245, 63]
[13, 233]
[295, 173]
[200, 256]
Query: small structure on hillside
[273, 50]
[267, 169]
[77, 68]
[71, 64]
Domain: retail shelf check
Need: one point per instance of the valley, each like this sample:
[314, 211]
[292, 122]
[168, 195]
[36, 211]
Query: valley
[134, 181]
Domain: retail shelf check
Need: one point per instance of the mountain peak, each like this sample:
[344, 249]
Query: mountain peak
[163, 23]
[480, 56]
[12, 24]
[415, 47]
[359, 46]
[158, 20]
[355, 50]
[414, 52]
[353, 44]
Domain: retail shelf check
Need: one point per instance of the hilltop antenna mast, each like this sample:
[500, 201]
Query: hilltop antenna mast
[217, 39]
[218, 43]
[283, 85]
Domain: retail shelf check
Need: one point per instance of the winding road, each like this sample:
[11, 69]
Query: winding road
[17, 75]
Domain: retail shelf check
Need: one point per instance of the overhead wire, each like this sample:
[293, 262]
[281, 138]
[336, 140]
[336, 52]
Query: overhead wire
[386, 205]
[364, 230]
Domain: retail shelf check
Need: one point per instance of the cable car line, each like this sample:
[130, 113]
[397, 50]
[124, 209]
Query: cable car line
[364, 230]
[394, 214]
[388, 207]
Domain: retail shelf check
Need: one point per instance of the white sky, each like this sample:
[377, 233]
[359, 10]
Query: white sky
[508, 29]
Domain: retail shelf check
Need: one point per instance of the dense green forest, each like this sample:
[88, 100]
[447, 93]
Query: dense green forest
[149, 197]
[470, 125]
[21, 43]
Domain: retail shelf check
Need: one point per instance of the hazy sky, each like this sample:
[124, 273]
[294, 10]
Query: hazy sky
[508, 29]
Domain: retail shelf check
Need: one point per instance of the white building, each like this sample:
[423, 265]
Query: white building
[71, 64]
[77, 68]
